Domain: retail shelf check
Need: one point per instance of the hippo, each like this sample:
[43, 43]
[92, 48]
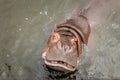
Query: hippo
[64, 46]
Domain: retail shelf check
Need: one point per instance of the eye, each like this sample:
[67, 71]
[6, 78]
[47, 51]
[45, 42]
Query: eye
[55, 37]
[73, 41]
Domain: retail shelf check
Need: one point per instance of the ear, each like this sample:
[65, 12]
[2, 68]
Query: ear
[84, 28]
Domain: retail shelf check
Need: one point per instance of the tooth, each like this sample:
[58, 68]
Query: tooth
[55, 62]
[69, 66]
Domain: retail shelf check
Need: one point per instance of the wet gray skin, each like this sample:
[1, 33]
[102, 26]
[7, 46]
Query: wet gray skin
[25, 26]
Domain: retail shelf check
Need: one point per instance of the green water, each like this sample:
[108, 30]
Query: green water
[25, 26]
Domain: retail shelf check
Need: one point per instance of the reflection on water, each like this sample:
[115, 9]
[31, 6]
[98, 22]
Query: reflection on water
[25, 26]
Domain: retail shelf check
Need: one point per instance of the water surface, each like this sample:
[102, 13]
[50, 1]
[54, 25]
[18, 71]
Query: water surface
[25, 26]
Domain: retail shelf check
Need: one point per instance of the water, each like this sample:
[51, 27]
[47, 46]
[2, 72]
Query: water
[25, 26]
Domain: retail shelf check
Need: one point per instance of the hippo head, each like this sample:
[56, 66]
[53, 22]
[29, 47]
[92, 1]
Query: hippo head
[63, 49]
[61, 52]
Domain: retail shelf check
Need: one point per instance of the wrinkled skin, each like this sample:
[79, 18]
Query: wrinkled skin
[64, 46]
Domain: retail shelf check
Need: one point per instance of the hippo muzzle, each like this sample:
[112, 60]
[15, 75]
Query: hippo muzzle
[64, 46]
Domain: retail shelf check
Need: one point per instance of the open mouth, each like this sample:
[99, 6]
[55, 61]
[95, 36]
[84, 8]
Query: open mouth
[59, 65]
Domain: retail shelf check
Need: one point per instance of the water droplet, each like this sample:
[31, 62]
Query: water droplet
[45, 12]
[20, 29]
[115, 26]
[40, 12]
[8, 55]
[26, 18]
